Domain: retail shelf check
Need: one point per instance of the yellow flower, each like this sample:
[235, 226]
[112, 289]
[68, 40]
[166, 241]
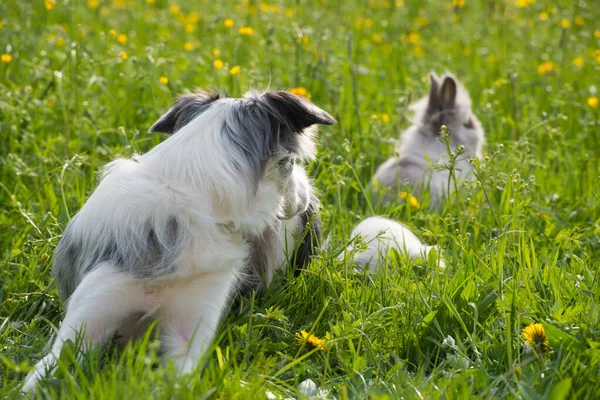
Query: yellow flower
[188, 46]
[524, 3]
[579, 20]
[305, 337]
[565, 23]
[414, 203]
[6, 58]
[246, 31]
[218, 64]
[189, 28]
[534, 335]
[458, 3]
[235, 70]
[164, 80]
[413, 38]
[93, 3]
[369, 22]
[122, 38]
[578, 61]
[300, 91]
[49, 4]
[302, 39]
[376, 38]
[597, 33]
[466, 52]
[543, 16]
[546, 67]
[216, 53]
[112, 33]
[123, 55]
[418, 51]
[228, 22]
[174, 9]
[592, 101]
[192, 18]
[422, 21]
[403, 195]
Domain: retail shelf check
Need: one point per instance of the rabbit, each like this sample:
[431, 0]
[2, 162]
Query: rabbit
[422, 147]
[380, 235]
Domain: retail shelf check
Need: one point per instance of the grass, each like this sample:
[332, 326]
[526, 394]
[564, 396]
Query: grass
[81, 82]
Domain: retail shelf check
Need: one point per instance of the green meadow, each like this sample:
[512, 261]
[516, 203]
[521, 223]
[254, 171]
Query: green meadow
[82, 81]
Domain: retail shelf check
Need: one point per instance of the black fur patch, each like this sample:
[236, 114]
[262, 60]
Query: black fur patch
[308, 243]
[186, 108]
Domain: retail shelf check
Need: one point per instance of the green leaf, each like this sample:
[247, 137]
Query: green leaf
[561, 390]
[560, 339]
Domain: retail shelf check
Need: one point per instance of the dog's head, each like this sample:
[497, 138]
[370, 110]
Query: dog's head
[244, 149]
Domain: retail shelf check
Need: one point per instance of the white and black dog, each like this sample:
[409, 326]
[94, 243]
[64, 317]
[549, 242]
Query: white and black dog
[172, 234]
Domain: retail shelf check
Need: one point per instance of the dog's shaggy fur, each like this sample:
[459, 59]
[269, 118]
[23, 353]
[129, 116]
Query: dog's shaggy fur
[171, 234]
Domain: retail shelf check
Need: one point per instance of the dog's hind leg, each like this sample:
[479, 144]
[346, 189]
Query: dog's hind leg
[103, 299]
[189, 317]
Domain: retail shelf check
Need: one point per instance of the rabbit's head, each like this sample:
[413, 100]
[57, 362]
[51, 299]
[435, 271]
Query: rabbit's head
[449, 104]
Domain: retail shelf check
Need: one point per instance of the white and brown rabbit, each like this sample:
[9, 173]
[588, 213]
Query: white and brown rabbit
[422, 149]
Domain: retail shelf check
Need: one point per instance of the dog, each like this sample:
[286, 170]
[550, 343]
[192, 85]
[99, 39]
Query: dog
[171, 234]
[380, 235]
[422, 149]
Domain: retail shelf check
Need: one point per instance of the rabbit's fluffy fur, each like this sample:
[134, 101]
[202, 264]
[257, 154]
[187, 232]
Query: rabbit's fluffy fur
[379, 236]
[421, 147]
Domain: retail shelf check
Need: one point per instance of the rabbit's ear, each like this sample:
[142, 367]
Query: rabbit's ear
[434, 103]
[448, 93]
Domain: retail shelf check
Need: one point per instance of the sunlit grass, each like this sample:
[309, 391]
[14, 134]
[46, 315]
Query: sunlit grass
[82, 81]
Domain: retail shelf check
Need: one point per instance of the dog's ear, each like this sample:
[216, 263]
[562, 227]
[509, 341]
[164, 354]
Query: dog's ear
[185, 109]
[297, 112]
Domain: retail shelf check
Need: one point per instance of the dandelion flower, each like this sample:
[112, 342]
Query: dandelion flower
[300, 91]
[592, 101]
[93, 3]
[369, 22]
[413, 38]
[305, 337]
[414, 203]
[565, 23]
[174, 9]
[597, 33]
[578, 61]
[458, 3]
[535, 336]
[218, 64]
[122, 38]
[6, 58]
[123, 55]
[188, 46]
[228, 22]
[418, 51]
[246, 31]
[112, 33]
[543, 16]
[189, 28]
[546, 67]
[164, 80]
[49, 4]
[376, 37]
[579, 20]
[235, 70]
